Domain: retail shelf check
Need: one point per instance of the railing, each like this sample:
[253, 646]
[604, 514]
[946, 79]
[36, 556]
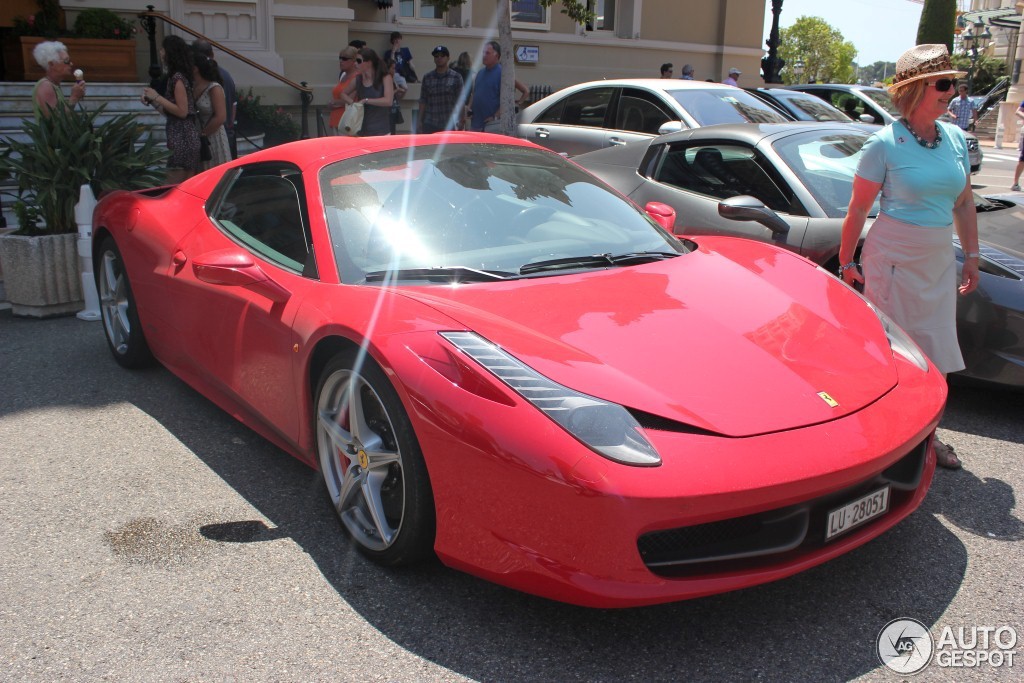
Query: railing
[149, 18]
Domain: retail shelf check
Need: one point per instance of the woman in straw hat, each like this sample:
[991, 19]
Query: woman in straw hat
[920, 166]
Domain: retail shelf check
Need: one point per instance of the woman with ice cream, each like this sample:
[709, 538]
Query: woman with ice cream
[53, 57]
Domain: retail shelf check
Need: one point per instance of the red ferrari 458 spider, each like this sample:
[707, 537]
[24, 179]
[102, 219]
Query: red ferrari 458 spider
[492, 356]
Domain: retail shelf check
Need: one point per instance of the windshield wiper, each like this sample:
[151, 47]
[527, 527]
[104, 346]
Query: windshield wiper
[596, 261]
[439, 274]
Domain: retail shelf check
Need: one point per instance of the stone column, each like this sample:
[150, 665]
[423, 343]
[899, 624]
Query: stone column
[1007, 123]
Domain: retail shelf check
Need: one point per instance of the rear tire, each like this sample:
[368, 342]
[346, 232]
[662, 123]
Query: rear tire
[371, 462]
[117, 306]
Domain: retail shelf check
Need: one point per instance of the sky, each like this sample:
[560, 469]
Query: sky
[881, 30]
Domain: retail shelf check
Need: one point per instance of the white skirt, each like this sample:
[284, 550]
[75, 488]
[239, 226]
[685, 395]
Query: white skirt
[910, 273]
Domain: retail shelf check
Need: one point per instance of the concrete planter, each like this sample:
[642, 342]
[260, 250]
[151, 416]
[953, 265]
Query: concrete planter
[41, 274]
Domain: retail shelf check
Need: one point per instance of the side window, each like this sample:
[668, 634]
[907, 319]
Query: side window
[264, 210]
[849, 104]
[723, 171]
[585, 108]
[640, 111]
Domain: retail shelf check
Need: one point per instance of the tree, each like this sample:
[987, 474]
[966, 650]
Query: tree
[987, 71]
[576, 10]
[826, 55]
[938, 20]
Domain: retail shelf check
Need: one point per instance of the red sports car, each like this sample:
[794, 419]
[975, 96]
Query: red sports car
[492, 356]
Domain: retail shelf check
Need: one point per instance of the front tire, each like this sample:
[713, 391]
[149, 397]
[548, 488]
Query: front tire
[117, 307]
[371, 462]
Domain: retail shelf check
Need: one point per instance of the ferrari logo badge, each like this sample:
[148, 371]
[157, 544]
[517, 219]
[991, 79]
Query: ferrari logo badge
[832, 403]
[364, 461]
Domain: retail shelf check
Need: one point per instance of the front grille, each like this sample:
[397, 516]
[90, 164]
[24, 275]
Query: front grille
[972, 144]
[775, 535]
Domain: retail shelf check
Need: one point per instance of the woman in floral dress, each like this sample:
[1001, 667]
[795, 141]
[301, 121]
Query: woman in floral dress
[179, 107]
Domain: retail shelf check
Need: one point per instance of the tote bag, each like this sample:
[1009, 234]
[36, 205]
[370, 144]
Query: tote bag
[352, 120]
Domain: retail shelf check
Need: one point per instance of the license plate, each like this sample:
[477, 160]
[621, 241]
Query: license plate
[856, 513]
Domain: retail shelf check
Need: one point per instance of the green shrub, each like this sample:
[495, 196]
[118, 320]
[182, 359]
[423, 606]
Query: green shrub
[97, 22]
[253, 118]
[68, 149]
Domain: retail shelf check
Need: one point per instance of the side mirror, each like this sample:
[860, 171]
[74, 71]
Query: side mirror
[228, 268]
[746, 208]
[866, 118]
[670, 127]
[663, 214]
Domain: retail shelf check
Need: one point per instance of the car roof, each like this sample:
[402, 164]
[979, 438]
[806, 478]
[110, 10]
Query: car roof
[834, 86]
[653, 83]
[752, 133]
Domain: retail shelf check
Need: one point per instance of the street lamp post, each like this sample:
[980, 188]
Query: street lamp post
[798, 70]
[972, 42]
[772, 63]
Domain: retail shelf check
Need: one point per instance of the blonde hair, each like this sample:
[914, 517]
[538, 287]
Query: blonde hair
[907, 97]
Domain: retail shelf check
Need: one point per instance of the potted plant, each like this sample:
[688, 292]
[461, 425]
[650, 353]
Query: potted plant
[65, 150]
[254, 118]
[102, 43]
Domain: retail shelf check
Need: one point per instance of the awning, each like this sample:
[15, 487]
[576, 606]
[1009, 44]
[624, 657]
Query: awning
[1004, 18]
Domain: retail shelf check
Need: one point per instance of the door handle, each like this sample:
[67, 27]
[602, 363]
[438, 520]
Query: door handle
[543, 132]
[616, 141]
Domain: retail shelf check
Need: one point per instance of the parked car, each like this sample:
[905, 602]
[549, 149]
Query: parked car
[799, 106]
[862, 102]
[492, 356]
[790, 185]
[589, 116]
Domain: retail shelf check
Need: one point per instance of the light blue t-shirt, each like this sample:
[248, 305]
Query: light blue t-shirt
[919, 185]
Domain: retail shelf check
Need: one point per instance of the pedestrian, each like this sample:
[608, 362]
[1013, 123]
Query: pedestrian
[962, 109]
[687, 72]
[401, 87]
[347, 72]
[375, 89]
[463, 66]
[666, 70]
[486, 107]
[230, 94]
[211, 103]
[441, 105]
[402, 57]
[733, 77]
[921, 167]
[1020, 149]
[179, 108]
[53, 57]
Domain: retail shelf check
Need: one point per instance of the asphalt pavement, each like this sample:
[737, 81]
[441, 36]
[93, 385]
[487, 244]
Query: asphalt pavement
[148, 536]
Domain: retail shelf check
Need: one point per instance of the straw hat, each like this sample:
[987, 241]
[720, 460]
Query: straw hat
[923, 61]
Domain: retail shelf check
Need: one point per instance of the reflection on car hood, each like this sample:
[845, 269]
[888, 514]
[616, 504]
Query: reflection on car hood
[738, 341]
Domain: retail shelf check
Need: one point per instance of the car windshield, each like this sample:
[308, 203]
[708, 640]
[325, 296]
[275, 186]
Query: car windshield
[825, 165]
[472, 212]
[810, 107]
[882, 99]
[725, 105]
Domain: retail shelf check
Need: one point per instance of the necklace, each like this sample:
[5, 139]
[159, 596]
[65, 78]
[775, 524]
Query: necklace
[921, 141]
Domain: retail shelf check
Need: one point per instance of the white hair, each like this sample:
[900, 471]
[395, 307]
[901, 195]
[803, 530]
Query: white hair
[48, 51]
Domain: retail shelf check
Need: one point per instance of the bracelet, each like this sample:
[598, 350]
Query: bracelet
[846, 267]
[973, 254]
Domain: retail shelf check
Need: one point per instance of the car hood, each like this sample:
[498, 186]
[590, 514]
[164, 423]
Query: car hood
[738, 341]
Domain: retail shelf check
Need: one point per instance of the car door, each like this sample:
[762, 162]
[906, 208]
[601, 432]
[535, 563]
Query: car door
[237, 283]
[638, 116]
[575, 124]
[693, 177]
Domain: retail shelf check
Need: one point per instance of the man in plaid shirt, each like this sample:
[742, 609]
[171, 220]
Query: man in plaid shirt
[440, 95]
[962, 109]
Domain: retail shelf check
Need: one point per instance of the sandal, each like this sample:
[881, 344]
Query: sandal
[946, 457]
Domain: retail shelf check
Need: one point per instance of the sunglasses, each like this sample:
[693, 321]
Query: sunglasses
[943, 84]
[359, 61]
[344, 59]
[68, 60]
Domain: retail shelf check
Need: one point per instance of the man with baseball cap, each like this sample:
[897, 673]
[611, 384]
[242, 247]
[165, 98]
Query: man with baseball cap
[733, 75]
[441, 100]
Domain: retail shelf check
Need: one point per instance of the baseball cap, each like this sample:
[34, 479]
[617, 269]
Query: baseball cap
[734, 70]
[440, 50]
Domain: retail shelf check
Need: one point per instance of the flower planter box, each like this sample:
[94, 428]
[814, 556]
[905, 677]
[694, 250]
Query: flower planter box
[102, 60]
[41, 274]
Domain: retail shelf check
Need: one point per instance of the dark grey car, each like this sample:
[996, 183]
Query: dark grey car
[790, 184]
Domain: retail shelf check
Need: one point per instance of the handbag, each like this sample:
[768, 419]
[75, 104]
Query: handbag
[396, 113]
[205, 152]
[352, 120]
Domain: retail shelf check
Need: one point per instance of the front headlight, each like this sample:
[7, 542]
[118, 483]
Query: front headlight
[606, 428]
[899, 341]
